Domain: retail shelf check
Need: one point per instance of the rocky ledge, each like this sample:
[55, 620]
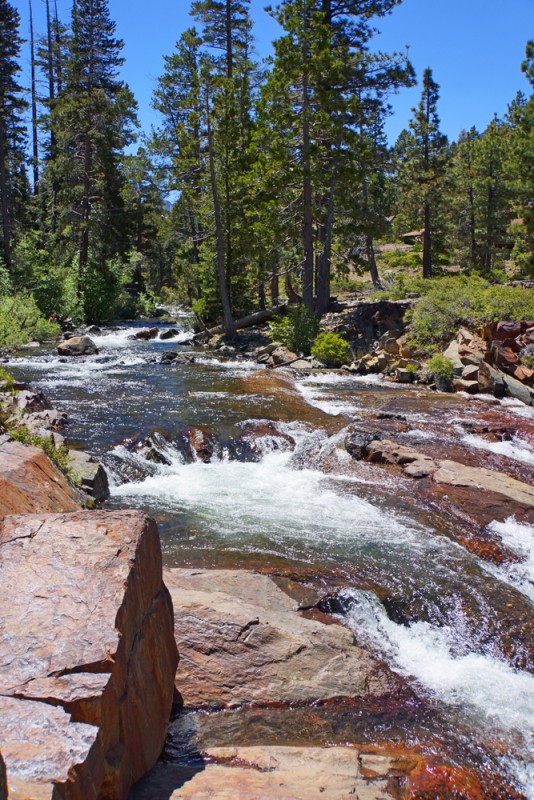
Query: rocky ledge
[87, 653]
[242, 640]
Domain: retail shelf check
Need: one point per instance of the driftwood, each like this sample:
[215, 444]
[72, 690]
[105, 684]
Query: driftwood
[245, 322]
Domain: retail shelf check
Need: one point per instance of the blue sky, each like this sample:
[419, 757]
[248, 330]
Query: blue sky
[474, 47]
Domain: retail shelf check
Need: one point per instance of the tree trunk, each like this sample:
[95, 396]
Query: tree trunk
[307, 223]
[258, 318]
[228, 320]
[275, 288]
[323, 277]
[35, 141]
[4, 191]
[371, 260]
[86, 211]
[427, 243]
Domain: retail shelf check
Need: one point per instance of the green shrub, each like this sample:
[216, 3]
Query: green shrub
[330, 348]
[21, 321]
[470, 301]
[296, 330]
[413, 369]
[441, 368]
[7, 379]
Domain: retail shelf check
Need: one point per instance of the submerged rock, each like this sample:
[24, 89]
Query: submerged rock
[87, 653]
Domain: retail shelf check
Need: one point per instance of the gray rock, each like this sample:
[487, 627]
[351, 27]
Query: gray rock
[89, 475]
[170, 333]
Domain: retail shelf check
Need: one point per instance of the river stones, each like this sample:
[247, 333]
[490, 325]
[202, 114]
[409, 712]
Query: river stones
[77, 346]
[241, 640]
[87, 632]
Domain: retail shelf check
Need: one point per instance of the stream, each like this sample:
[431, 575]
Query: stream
[455, 625]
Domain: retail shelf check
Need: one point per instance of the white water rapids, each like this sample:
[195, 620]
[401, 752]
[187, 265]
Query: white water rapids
[278, 506]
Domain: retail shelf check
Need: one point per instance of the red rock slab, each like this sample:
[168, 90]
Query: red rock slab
[89, 627]
[30, 482]
[43, 749]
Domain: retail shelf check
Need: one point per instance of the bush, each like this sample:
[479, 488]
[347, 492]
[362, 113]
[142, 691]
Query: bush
[296, 330]
[7, 379]
[452, 302]
[442, 369]
[330, 348]
[21, 321]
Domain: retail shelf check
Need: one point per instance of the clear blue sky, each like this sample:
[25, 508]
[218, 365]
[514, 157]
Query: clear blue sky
[474, 47]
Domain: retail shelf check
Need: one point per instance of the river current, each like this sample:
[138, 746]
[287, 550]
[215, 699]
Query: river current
[458, 628]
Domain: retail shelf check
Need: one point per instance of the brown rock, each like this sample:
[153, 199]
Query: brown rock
[145, 334]
[30, 482]
[241, 640]
[77, 346]
[524, 374]
[471, 387]
[470, 372]
[88, 628]
[281, 356]
[290, 773]
[507, 330]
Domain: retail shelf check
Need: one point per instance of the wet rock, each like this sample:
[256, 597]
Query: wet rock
[173, 357]
[460, 385]
[77, 346]
[170, 333]
[288, 773]
[261, 437]
[241, 640]
[268, 349]
[30, 482]
[88, 629]
[145, 333]
[93, 330]
[453, 473]
[196, 444]
[356, 443]
[89, 475]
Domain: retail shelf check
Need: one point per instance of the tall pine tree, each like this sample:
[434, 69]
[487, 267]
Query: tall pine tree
[12, 131]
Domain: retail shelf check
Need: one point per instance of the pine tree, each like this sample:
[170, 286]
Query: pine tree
[520, 166]
[92, 119]
[12, 131]
[422, 158]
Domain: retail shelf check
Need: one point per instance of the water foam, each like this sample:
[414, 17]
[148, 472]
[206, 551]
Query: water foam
[482, 688]
[519, 538]
[516, 449]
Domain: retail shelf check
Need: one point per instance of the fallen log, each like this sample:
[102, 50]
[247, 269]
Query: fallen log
[258, 318]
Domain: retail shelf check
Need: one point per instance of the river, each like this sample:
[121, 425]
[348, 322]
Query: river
[455, 625]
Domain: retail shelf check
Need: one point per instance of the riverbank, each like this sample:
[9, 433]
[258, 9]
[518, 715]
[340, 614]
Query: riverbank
[351, 537]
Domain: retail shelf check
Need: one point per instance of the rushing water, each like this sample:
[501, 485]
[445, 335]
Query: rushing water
[458, 628]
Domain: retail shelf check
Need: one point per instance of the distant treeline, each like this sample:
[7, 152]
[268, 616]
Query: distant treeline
[280, 174]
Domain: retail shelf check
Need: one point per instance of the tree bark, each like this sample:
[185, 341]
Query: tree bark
[371, 260]
[247, 322]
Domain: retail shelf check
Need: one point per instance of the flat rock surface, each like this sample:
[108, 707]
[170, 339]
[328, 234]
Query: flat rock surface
[89, 628]
[30, 482]
[241, 640]
[454, 474]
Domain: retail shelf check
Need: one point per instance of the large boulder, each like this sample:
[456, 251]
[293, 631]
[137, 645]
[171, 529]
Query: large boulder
[87, 653]
[77, 346]
[30, 482]
[241, 640]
